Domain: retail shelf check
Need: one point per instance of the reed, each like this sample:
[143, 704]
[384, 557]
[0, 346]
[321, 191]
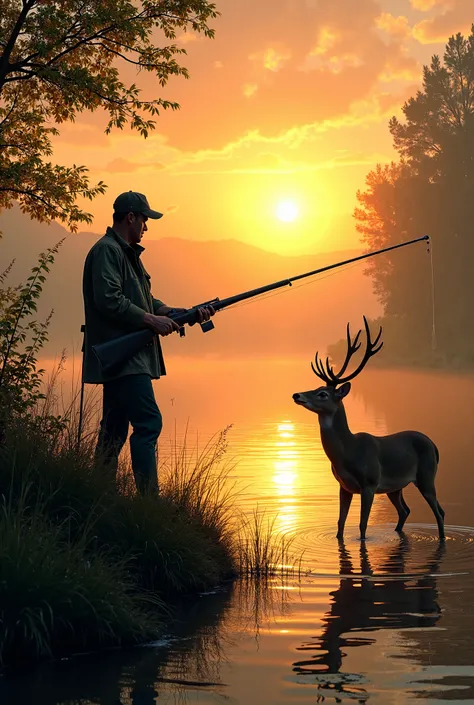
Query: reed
[87, 562]
[264, 552]
[57, 594]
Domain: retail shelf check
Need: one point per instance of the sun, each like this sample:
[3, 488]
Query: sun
[287, 211]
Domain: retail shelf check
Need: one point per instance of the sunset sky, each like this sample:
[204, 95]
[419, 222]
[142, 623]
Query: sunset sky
[289, 103]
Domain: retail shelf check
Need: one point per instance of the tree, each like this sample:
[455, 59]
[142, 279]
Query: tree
[430, 191]
[21, 339]
[437, 139]
[62, 57]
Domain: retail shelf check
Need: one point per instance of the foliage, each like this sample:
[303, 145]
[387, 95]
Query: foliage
[173, 547]
[83, 564]
[20, 341]
[197, 482]
[62, 57]
[264, 552]
[53, 591]
[429, 191]
[437, 139]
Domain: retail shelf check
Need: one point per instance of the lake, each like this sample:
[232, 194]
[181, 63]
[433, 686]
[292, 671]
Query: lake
[389, 621]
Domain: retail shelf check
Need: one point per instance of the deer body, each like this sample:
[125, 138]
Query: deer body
[387, 463]
[366, 464]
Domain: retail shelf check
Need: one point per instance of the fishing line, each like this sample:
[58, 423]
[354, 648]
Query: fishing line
[271, 295]
[433, 308]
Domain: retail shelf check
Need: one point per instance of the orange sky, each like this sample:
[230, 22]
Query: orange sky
[290, 101]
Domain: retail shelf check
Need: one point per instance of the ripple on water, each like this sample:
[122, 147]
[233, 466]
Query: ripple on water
[385, 554]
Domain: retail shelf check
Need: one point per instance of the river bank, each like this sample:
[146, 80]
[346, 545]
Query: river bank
[84, 566]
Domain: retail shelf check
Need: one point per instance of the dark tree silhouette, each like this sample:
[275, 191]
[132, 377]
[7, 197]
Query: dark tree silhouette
[429, 191]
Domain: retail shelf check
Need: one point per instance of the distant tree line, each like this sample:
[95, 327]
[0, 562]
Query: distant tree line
[430, 190]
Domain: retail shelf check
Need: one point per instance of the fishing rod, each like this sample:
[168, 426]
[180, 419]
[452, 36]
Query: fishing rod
[113, 354]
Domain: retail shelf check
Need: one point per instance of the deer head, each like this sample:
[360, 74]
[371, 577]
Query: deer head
[326, 400]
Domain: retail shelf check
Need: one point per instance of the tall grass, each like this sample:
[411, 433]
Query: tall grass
[198, 483]
[55, 592]
[84, 561]
[262, 551]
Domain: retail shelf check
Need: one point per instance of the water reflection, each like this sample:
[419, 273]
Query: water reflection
[285, 477]
[260, 603]
[186, 665]
[365, 603]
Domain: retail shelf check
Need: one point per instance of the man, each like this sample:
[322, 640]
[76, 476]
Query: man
[118, 300]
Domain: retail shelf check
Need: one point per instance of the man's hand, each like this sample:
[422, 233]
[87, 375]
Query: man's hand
[161, 325]
[204, 313]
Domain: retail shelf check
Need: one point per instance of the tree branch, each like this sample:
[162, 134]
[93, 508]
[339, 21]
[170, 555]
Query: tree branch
[100, 34]
[10, 45]
[125, 58]
[12, 108]
[35, 196]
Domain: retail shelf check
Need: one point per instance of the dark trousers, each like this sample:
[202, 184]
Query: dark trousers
[131, 400]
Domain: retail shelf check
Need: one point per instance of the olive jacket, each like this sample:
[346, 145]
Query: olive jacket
[117, 294]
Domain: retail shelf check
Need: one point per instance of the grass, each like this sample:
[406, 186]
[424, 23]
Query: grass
[55, 593]
[263, 552]
[84, 563]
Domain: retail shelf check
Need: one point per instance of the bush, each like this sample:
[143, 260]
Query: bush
[56, 593]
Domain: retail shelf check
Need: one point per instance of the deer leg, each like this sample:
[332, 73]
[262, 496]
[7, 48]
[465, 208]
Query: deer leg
[345, 499]
[400, 505]
[429, 493]
[407, 508]
[366, 500]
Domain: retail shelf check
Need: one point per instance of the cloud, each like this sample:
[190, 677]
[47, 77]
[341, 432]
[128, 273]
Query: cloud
[400, 66]
[457, 17]
[306, 148]
[310, 61]
[270, 160]
[80, 132]
[308, 72]
[121, 165]
[249, 89]
[124, 166]
[272, 58]
[394, 26]
[425, 5]
[326, 41]
[188, 37]
[334, 63]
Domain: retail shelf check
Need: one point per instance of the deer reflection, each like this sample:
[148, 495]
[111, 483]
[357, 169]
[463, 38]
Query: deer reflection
[363, 602]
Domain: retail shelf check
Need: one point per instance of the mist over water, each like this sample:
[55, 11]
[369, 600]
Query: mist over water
[388, 621]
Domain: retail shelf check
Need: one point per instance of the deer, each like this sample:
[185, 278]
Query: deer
[361, 462]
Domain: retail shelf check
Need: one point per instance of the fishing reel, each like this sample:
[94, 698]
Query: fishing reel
[206, 326]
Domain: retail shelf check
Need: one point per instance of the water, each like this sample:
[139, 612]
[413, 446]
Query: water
[388, 621]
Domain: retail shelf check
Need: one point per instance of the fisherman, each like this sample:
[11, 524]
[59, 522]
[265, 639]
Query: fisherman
[118, 300]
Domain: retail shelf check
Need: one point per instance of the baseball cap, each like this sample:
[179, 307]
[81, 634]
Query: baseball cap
[133, 202]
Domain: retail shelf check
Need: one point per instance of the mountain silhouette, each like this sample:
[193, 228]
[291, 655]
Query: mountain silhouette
[310, 315]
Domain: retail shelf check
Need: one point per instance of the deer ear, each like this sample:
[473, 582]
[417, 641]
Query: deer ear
[343, 390]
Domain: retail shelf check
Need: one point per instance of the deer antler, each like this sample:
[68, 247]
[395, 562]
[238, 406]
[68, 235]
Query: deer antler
[329, 376]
